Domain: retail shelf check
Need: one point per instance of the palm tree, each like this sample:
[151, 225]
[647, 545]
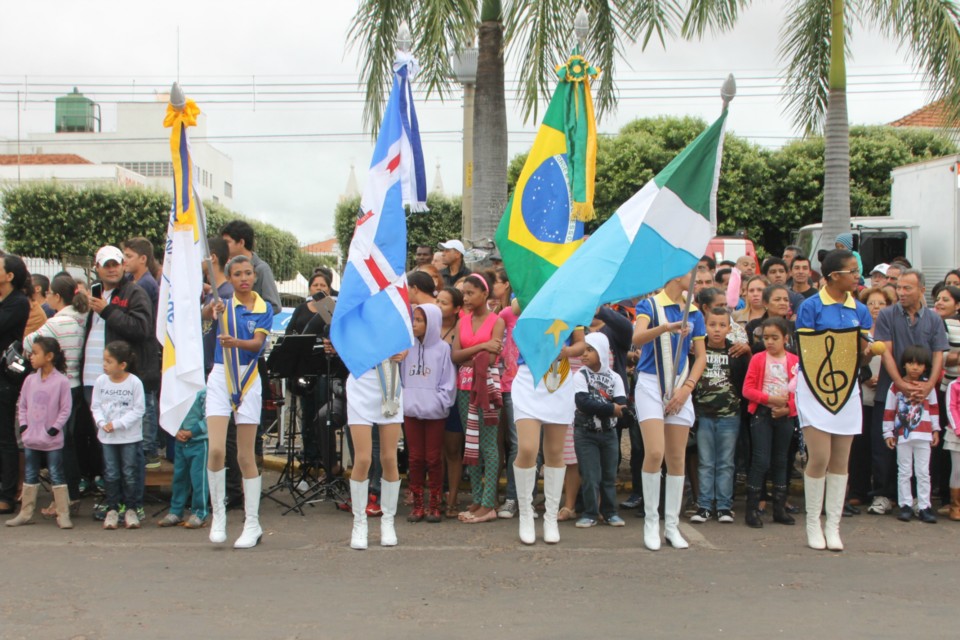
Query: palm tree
[814, 47]
[540, 32]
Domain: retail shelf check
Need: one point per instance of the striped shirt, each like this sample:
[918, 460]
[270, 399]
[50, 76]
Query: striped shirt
[67, 328]
[93, 351]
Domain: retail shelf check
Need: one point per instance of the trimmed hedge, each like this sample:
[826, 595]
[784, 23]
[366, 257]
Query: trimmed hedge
[50, 220]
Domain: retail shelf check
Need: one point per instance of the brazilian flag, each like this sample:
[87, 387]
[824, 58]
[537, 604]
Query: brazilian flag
[543, 223]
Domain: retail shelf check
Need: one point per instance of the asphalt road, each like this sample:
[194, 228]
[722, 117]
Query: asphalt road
[451, 580]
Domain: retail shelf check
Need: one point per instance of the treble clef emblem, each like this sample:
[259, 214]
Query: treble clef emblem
[830, 382]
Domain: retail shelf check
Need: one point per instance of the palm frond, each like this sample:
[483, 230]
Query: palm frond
[441, 27]
[611, 27]
[657, 16]
[540, 32]
[438, 27]
[805, 48]
[929, 32]
[713, 15]
[373, 31]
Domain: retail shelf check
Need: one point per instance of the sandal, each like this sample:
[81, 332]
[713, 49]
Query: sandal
[472, 518]
[452, 511]
[566, 514]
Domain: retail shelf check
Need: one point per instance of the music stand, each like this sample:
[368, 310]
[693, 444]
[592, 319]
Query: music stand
[290, 359]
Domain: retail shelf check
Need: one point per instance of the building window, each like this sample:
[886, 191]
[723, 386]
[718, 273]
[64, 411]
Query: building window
[148, 169]
[227, 189]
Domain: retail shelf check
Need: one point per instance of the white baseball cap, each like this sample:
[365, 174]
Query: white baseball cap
[108, 253]
[881, 269]
[453, 244]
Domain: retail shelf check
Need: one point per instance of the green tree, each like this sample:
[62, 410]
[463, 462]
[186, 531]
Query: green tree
[814, 48]
[441, 223]
[768, 194]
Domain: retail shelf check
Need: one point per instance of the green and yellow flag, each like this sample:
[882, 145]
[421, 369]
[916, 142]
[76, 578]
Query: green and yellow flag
[543, 223]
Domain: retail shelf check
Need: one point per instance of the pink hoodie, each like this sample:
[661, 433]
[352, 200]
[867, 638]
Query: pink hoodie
[44, 404]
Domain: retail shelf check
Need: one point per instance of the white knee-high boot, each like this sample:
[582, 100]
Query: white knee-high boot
[525, 480]
[651, 510]
[389, 493]
[251, 534]
[673, 501]
[813, 497]
[833, 503]
[218, 496]
[552, 489]
[359, 492]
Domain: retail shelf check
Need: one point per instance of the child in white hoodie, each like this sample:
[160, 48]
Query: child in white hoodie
[601, 399]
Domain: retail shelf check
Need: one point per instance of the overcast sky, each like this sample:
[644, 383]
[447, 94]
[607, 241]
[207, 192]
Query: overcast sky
[291, 161]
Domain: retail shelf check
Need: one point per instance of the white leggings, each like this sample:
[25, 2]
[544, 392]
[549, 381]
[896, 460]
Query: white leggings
[913, 458]
[955, 469]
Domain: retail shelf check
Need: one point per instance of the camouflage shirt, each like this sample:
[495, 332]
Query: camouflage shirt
[718, 393]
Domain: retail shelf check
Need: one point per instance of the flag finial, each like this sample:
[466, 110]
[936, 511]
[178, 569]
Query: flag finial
[404, 38]
[581, 26]
[729, 90]
[177, 99]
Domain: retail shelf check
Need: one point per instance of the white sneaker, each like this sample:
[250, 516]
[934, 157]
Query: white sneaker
[130, 519]
[508, 509]
[880, 506]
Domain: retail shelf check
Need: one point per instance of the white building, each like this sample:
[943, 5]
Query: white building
[64, 169]
[139, 145]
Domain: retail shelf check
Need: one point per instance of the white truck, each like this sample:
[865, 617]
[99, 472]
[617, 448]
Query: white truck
[923, 226]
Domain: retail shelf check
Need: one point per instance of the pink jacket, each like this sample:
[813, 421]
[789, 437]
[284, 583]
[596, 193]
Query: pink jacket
[953, 406]
[44, 404]
[753, 382]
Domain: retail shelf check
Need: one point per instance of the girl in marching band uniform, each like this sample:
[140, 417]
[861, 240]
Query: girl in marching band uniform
[546, 404]
[828, 432]
[234, 388]
[663, 403]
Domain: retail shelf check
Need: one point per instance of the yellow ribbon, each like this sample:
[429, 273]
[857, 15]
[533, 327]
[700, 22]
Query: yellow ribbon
[187, 115]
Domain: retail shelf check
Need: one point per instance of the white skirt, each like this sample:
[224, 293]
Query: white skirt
[847, 422]
[536, 403]
[218, 400]
[365, 401]
[649, 403]
[950, 440]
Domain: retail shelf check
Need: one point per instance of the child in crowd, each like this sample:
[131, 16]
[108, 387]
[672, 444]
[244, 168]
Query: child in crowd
[717, 402]
[952, 444]
[476, 348]
[450, 301]
[600, 399]
[912, 428]
[430, 384]
[118, 406]
[190, 470]
[772, 405]
[44, 408]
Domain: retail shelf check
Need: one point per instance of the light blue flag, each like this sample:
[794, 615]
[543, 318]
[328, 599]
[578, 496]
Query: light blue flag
[658, 234]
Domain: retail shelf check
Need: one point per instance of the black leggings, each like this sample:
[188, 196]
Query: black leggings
[771, 446]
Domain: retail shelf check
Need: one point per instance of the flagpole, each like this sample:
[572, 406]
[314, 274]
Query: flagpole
[178, 101]
[727, 92]
[207, 260]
